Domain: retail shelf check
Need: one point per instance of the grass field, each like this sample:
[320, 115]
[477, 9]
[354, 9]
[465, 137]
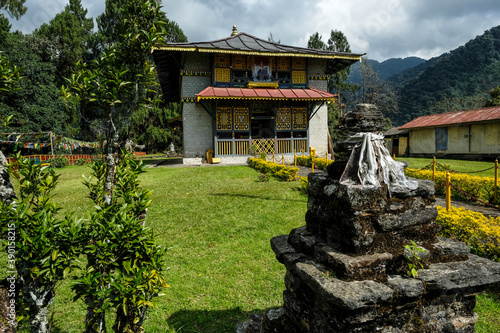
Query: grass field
[455, 165]
[216, 222]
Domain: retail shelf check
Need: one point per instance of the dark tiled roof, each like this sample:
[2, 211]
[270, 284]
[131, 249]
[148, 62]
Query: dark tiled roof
[244, 43]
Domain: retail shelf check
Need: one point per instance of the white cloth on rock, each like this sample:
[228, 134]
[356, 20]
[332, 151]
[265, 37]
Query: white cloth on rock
[371, 164]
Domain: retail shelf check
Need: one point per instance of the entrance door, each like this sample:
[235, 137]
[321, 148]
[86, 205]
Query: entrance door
[263, 128]
[263, 135]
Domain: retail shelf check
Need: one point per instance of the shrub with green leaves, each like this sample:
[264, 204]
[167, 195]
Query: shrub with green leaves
[58, 162]
[279, 171]
[319, 163]
[124, 265]
[46, 248]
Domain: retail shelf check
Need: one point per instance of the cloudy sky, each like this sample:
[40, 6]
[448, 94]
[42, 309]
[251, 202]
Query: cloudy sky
[381, 28]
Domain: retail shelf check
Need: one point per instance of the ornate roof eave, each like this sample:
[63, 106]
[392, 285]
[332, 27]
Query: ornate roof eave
[254, 53]
[245, 44]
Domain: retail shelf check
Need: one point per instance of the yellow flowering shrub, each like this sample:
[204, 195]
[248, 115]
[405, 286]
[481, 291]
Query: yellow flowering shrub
[320, 163]
[279, 171]
[482, 188]
[481, 233]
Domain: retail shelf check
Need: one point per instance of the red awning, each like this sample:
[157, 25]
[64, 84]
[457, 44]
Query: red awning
[310, 94]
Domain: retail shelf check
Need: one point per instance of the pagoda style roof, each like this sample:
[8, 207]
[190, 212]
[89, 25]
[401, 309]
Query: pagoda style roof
[243, 43]
[300, 94]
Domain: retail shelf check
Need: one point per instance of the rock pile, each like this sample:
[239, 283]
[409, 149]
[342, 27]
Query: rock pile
[347, 269]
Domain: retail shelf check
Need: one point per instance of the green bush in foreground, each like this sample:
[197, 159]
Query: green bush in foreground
[42, 249]
[279, 171]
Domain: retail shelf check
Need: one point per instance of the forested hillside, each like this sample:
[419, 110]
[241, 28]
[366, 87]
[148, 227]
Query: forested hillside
[385, 69]
[460, 79]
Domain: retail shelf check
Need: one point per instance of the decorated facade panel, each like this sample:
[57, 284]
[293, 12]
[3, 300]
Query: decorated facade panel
[241, 119]
[284, 119]
[224, 119]
[299, 118]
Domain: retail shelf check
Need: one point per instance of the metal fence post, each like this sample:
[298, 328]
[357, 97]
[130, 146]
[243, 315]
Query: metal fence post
[448, 192]
[434, 169]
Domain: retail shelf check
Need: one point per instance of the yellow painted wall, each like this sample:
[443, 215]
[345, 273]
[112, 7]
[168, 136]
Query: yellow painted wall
[462, 139]
[403, 143]
[422, 141]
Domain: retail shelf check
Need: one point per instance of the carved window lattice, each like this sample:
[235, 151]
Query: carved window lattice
[299, 77]
[221, 60]
[298, 63]
[284, 119]
[299, 118]
[283, 64]
[222, 75]
[224, 119]
[241, 119]
[239, 61]
[265, 146]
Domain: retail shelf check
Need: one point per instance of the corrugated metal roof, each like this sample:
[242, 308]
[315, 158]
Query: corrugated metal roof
[395, 131]
[453, 118]
[247, 93]
[244, 43]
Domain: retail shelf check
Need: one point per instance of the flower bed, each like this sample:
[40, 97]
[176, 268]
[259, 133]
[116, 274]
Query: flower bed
[482, 188]
[320, 163]
[279, 171]
[481, 233]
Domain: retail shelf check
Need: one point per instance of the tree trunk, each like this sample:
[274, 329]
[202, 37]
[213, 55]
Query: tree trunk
[125, 323]
[7, 193]
[94, 322]
[39, 303]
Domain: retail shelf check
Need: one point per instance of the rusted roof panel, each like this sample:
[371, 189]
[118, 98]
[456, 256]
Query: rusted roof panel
[454, 118]
[261, 93]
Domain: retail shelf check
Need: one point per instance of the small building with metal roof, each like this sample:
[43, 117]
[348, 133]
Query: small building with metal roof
[473, 134]
[242, 95]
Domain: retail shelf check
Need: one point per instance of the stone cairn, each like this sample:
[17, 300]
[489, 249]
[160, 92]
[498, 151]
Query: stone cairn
[347, 269]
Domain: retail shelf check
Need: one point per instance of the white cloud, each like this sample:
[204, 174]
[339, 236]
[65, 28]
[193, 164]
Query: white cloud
[380, 28]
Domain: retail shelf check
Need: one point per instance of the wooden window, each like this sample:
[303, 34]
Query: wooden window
[284, 119]
[221, 60]
[241, 119]
[299, 118]
[224, 119]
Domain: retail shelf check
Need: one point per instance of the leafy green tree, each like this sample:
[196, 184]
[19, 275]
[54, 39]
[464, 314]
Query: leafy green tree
[376, 91]
[46, 248]
[151, 126]
[494, 99]
[36, 104]
[123, 263]
[15, 8]
[70, 31]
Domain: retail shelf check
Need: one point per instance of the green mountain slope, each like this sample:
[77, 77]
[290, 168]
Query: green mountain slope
[385, 69]
[469, 71]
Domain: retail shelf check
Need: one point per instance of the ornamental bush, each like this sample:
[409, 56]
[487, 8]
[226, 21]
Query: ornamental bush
[481, 233]
[482, 188]
[278, 171]
[320, 163]
[58, 162]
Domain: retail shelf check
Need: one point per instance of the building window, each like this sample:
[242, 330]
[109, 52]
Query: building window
[441, 138]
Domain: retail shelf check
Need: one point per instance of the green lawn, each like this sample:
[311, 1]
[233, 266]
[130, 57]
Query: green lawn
[455, 165]
[216, 222]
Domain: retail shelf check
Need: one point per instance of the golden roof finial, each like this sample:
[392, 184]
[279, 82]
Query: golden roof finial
[235, 31]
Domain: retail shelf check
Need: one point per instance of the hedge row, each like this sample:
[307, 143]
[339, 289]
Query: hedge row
[481, 233]
[279, 171]
[319, 163]
[482, 188]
